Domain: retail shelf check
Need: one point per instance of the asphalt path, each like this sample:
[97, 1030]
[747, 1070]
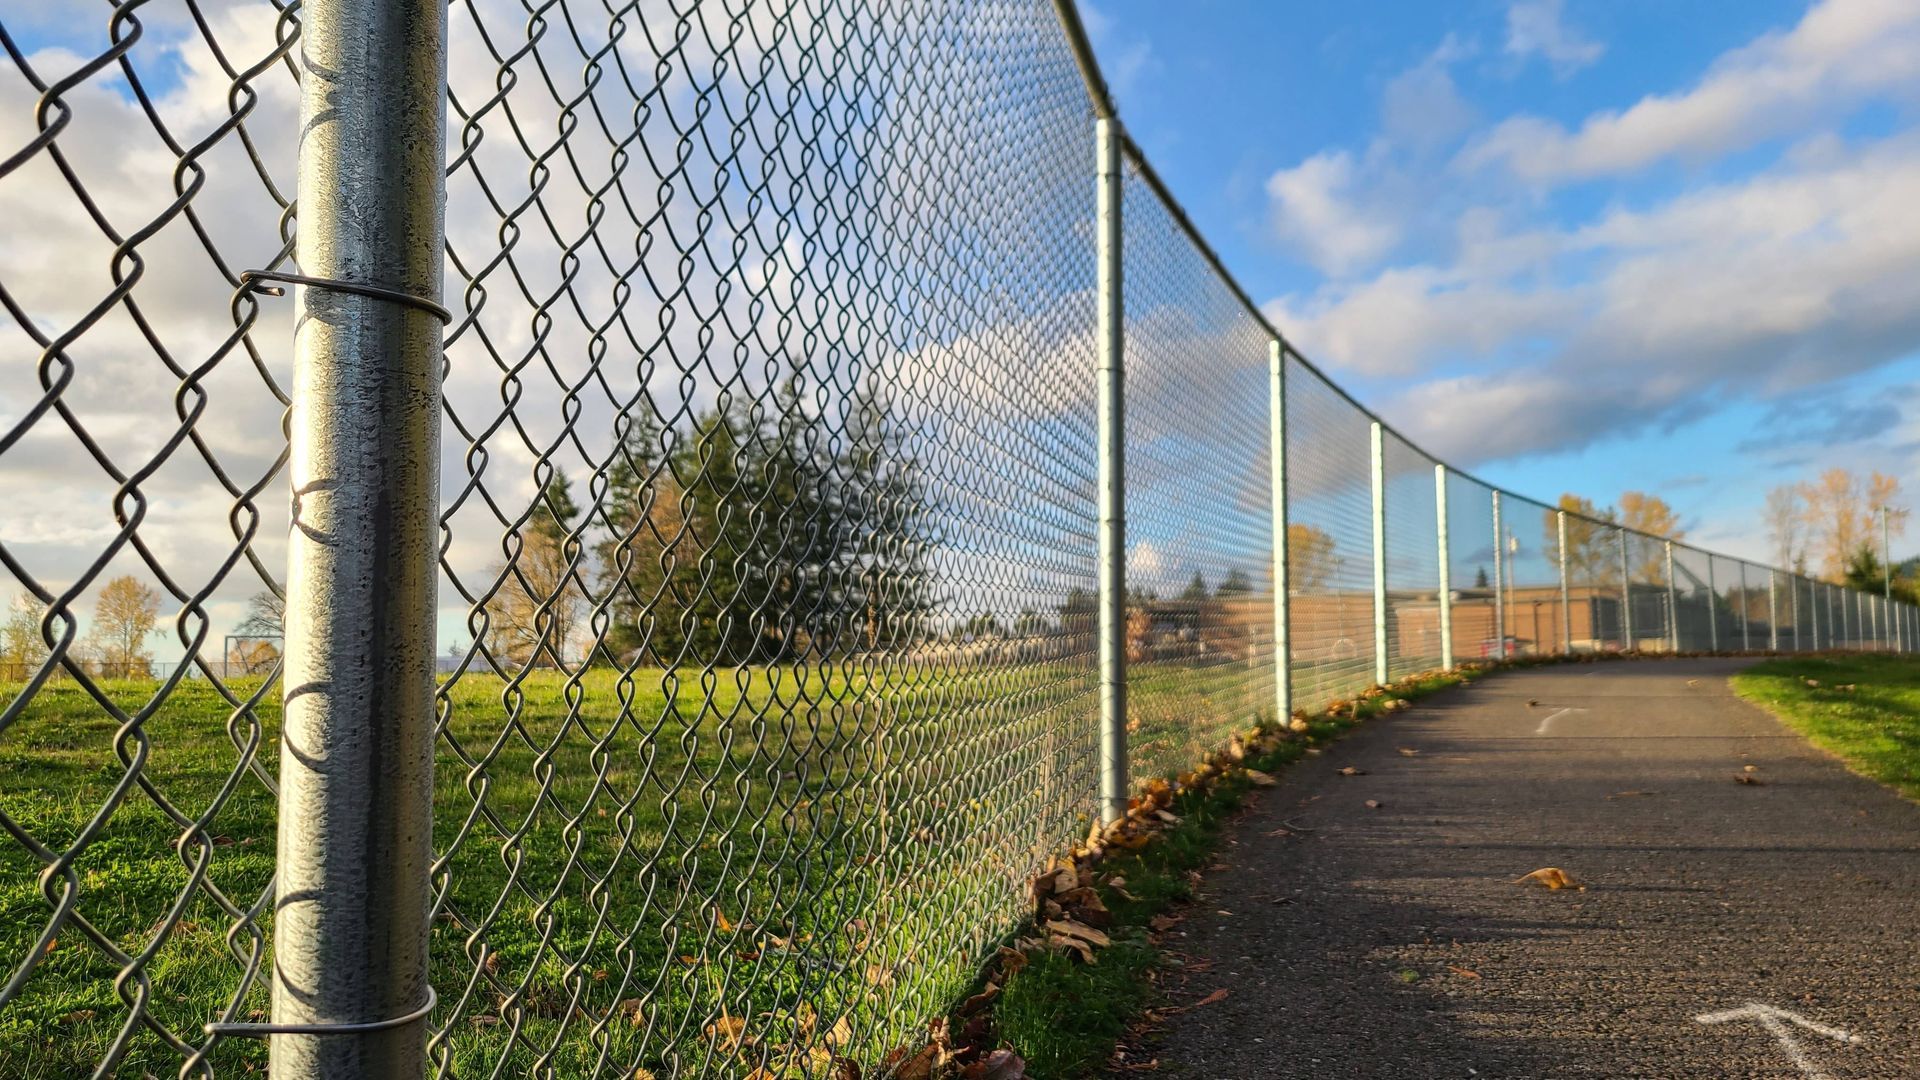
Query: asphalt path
[1393, 940]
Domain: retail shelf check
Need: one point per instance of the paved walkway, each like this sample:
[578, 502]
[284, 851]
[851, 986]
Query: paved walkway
[1393, 942]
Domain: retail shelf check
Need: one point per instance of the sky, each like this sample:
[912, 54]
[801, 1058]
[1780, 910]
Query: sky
[1568, 245]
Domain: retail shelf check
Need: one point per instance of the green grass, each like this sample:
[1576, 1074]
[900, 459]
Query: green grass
[1865, 709]
[1064, 1017]
[632, 856]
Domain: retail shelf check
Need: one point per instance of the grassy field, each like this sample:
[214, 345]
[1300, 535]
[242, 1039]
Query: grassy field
[698, 875]
[1864, 708]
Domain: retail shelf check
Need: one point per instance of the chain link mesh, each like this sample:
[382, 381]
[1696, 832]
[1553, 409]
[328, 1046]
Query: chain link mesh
[1199, 499]
[768, 575]
[145, 156]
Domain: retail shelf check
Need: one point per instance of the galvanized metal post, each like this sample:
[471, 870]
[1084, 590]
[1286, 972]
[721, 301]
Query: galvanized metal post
[350, 991]
[1886, 559]
[1566, 593]
[1793, 605]
[1673, 605]
[1112, 417]
[1282, 604]
[1713, 609]
[1446, 566]
[1746, 602]
[1499, 581]
[1380, 672]
[1773, 610]
[1626, 597]
[1813, 613]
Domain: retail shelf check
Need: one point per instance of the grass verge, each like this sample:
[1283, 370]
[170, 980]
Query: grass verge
[1863, 708]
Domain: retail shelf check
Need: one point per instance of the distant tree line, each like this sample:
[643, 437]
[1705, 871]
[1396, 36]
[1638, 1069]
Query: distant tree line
[753, 533]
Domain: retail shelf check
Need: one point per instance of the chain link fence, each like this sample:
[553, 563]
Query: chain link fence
[768, 634]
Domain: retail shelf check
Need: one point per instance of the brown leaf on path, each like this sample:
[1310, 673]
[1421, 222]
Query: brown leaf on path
[1465, 973]
[1374, 804]
[1748, 778]
[1408, 751]
[1216, 996]
[1260, 779]
[1750, 768]
[1163, 923]
[1552, 877]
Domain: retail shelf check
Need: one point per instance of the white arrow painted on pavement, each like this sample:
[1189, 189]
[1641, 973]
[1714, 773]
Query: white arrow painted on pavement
[1776, 1022]
[1542, 730]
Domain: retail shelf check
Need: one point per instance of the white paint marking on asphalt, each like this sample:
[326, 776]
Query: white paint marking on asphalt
[1542, 730]
[1776, 1022]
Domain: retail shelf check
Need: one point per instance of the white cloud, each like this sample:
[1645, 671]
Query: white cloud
[1753, 288]
[1315, 209]
[1538, 27]
[1840, 53]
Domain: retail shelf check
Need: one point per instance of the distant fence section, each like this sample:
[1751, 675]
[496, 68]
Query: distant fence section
[734, 489]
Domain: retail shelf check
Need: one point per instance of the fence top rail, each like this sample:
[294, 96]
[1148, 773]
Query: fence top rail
[1100, 98]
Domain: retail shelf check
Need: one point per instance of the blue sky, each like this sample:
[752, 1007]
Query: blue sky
[1569, 244]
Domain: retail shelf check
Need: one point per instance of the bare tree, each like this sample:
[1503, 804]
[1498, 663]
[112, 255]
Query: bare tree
[1785, 517]
[1840, 512]
[123, 616]
[266, 616]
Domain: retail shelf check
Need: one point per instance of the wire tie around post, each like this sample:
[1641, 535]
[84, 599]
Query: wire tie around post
[251, 280]
[261, 1031]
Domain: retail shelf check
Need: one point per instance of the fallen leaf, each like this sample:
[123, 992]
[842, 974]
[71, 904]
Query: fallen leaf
[1747, 778]
[1351, 771]
[1465, 973]
[727, 1031]
[1408, 751]
[1210, 999]
[999, 1065]
[1260, 779]
[1070, 928]
[879, 975]
[77, 1016]
[1551, 876]
[1374, 804]
[720, 920]
[1163, 923]
[1750, 768]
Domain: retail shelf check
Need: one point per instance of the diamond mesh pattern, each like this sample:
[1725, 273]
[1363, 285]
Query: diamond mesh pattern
[769, 527]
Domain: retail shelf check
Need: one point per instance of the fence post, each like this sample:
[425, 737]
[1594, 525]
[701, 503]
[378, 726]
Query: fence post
[1746, 603]
[1282, 603]
[1626, 597]
[1446, 566]
[1499, 581]
[1673, 606]
[1813, 603]
[356, 764]
[1380, 672]
[1713, 608]
[1773, 610]
[1112, 418]
[1793, 609]
[1566, 593]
